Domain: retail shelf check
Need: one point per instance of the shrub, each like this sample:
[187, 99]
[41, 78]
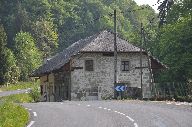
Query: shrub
[183, 98]
[35, 94]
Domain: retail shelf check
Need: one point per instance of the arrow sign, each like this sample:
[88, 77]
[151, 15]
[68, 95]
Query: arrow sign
[120, 88]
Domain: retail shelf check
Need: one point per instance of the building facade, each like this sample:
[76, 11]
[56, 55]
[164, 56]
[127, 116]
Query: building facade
[85, 71]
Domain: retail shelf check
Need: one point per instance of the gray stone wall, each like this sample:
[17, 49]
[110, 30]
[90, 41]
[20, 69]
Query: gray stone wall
[102, 78]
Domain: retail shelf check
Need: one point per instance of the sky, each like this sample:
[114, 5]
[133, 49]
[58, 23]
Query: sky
[149, 2]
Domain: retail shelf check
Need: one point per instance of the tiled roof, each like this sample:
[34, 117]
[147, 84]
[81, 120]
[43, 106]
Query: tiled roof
[101, 42]
[104, 42]
[63, 57]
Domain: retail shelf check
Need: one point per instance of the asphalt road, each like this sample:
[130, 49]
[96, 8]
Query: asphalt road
[109, 114]
[7, 93]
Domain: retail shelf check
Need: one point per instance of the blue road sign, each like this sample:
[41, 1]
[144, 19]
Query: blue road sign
[120, 88]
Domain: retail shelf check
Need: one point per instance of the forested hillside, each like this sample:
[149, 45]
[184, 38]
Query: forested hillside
[174, 42]
[31, 30]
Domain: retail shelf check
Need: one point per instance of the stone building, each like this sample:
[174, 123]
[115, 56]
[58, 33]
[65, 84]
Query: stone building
[85, 70]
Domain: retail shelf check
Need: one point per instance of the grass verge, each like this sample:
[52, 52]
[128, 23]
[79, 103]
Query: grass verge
[17, 98]
[20, 85]
[13, 115]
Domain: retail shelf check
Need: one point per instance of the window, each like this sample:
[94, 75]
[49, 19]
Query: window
[89, 65]
[124, 65]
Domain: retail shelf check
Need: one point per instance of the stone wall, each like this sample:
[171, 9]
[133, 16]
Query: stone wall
[102, 78]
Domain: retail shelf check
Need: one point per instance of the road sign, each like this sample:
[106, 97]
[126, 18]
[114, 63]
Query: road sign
[120, 88]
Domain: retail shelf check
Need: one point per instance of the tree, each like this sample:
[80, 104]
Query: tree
[9, 72]
[175, 49]
[163, 8]
[3, 39]
[27, 55]
[46, 37]
[12, 73]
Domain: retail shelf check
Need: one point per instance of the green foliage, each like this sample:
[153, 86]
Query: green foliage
[163, 8]
[12, 74]
[35, 94]
[9, 72]
[3, 39]
[50, 26]
[46, 37]
[175, 49]
[13, 115]
[27, 55]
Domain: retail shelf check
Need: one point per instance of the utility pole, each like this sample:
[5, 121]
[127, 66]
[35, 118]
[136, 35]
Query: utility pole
[115, 50]
[141, 66]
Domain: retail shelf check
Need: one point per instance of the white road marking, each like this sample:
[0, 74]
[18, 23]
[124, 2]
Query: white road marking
[61, 103]
[26, 108]
[78, 104]
[135, 124]
[34, 113]
[130, 118]
[31, 123]
[88, 105]
[30, 109]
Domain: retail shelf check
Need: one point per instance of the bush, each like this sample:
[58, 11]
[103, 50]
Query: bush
[183, 98]
[175, 98]
[35, 94]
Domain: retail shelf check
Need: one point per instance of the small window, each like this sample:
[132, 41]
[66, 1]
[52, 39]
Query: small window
[124, 65]
[89, 65]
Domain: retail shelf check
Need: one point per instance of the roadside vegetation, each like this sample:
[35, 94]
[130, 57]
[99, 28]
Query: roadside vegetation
[32, 96]
[13, 115]
[17, 98]
[20, 85]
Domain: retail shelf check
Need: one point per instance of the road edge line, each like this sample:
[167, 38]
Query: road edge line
[31, 123]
